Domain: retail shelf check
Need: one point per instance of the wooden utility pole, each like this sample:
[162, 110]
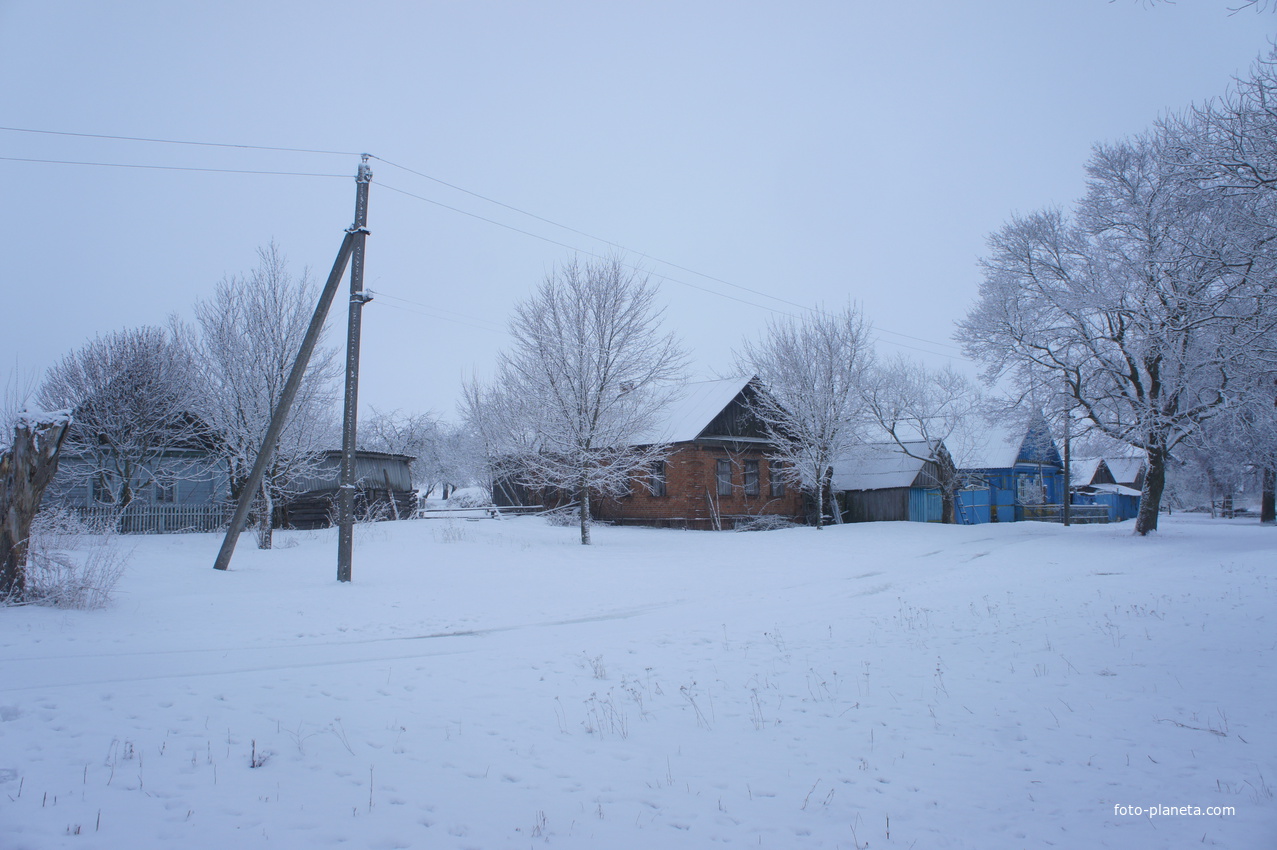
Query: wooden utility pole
[1067, 501]
[349, 422]
[354, 235]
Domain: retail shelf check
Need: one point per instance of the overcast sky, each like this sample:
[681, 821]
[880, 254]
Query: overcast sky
[816, 153]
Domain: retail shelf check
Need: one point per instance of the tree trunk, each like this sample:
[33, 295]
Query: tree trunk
[265, 529]
[25, 470]
[948, 471]
[820, 506]
[1268, 502]
[585, 515]
[1151, 498]
[948, 509]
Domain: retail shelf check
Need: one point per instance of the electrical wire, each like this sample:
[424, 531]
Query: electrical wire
[621, 247]
[169, 167]
[176, 141]
[458, 210]
[573, 247]
[607, 242]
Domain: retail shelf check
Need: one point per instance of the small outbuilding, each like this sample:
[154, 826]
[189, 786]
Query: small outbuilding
[383, 490]
[883, 482]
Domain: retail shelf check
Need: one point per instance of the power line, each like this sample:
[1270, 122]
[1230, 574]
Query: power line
[621, 247]
[177, 141]
[608, 242]
[572, 247]
[672, 279]
[433, 312]
[453, 186]
[169, 167]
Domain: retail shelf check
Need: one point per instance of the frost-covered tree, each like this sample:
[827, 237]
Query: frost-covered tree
[926, 413]
[1146, 307]
[587, 375]
[249, 333]
[133, 397]
[813, 372]
[1230, 142]
[439, 450]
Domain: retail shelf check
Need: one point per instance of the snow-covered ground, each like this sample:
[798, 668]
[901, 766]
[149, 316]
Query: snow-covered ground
[493, 684]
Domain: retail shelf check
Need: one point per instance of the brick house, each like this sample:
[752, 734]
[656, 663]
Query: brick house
[718, 473]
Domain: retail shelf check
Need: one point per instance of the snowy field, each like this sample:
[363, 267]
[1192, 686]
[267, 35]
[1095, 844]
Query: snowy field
[493, 684]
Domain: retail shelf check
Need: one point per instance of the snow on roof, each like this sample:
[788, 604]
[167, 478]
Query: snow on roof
[693, 408]
[878, 466]
[1000, 446]
[1082, 470]
[987, 447]
[1125, 469]
[1115, 488]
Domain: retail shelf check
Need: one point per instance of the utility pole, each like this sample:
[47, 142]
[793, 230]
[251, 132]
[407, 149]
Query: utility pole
[1067, 506]
[349, 422]
[355, 235]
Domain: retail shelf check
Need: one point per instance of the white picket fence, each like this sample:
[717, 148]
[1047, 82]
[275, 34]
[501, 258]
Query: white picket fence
[140, 518]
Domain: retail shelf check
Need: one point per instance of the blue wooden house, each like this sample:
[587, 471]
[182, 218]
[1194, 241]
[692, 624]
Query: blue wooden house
[1012, 474]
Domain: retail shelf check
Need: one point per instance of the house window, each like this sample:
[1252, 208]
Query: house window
[723, 475]
[776, 478]
[751, 478]
[165, 491]
[1031, 490]
[656, 479]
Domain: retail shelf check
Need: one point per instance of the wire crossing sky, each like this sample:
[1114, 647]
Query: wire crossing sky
[756, 161]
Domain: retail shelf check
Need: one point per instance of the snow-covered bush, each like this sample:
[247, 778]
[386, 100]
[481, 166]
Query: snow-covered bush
[71, 564]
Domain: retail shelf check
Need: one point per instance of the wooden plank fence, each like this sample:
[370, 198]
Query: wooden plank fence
[139, 518]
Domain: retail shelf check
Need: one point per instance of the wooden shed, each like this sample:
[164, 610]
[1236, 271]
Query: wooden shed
[882, 482]
[383, 490]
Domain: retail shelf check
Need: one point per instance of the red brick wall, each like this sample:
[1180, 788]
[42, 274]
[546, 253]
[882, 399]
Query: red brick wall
[691, 486]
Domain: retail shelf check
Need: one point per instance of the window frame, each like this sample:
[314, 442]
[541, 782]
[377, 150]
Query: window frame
[776, 479]
[164, 490]
[723, 476]
[751, 478]
[658, 479]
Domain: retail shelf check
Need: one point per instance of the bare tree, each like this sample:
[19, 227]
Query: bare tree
[1146, 310]
[27, 465]
[588, 373]
[250, 332]
[132, 395]
[924, 411]
[813, 372]
[439, 456]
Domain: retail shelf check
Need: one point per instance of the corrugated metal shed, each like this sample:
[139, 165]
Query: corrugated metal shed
[371, 470]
